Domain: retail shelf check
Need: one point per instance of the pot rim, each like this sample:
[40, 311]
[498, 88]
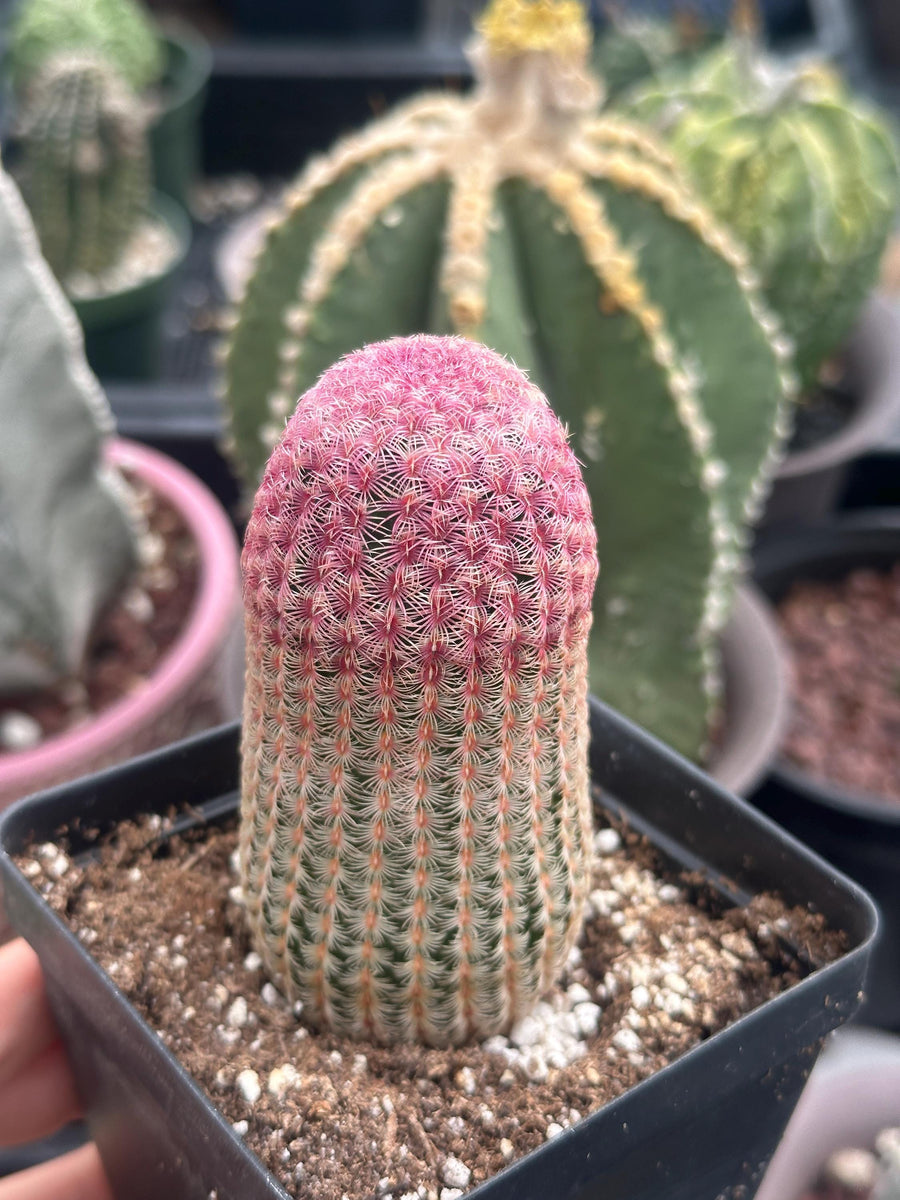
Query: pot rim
[94, 310]
[757, 693]
[211, 615]
[178, 37]
[840, 531]
[873, 355]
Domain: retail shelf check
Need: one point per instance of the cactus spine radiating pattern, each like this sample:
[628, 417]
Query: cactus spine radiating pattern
[565, 239]
[118, 31]
[806, 175]
[418, 570]
[86, 172]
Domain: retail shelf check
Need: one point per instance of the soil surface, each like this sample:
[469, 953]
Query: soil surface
[844, 638]
[131, 638]
[662, 964]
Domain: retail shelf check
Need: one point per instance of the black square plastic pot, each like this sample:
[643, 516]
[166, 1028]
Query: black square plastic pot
[702, 1128]
[857, 831]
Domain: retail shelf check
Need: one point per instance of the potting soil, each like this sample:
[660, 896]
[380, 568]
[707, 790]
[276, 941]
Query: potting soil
[662, 964]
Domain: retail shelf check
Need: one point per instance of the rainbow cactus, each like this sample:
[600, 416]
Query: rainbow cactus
[804, 173]
[118, 31]
[416, 819]
[563, 238]
[86, 172]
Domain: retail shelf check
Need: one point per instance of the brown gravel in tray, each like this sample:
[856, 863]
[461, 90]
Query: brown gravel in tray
[844, 637]
[662, 964]
[135, 633]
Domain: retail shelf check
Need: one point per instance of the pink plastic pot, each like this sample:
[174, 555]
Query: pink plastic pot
[853, 1093]
[198, 683]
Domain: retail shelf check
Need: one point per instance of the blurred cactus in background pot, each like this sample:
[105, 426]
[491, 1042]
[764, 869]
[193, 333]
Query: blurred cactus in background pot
[805, 174]
[85, 169]
[635, 47]
[118, 31]
[564, 238]
[67, 542]
[416, 813]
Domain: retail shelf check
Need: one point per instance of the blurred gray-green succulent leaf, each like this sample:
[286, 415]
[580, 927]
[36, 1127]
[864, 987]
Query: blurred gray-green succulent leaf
[67, 539]
[85, 163]
[120, 31]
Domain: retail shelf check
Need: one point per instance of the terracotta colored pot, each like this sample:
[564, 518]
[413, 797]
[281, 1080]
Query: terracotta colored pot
[197, 683]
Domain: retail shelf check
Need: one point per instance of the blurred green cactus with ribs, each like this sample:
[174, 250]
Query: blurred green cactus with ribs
[805, 174]
[416, 815]
[564, 238]
[85, 164]
[119, 31]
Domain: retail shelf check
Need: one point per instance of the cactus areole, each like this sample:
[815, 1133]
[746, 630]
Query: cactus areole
[562, 237]
[416, 821]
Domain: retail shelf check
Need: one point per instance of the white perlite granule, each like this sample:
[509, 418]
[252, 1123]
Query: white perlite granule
[455, 1173]
[248, 1085]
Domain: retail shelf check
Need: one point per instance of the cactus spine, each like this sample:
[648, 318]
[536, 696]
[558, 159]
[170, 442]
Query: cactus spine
[86, 169]
[803, 173]
[566, 240]
[118, 31]
[418, 569]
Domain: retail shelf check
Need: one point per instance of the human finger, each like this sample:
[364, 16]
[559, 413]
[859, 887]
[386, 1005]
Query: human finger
[77, 1175]
[39, 1100]
[27, 1027]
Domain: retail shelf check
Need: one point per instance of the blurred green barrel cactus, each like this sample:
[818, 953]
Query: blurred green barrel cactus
[416, 817]
[119, 31]
[526, 219]
[85, 169]
[803, 173]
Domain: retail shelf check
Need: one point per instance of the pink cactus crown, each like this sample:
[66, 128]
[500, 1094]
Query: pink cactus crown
[422, 507]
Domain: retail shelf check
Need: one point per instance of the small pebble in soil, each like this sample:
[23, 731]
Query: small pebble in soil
[137, 604]
[455, 1174]
[19, 731]
[853, 1169]
[248, 1086]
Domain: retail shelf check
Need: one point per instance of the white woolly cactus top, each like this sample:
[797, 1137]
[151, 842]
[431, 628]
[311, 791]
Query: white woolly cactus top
[418, 573]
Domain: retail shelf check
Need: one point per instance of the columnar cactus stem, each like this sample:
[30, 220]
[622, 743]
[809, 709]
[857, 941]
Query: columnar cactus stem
[86, 173]
[118, 31]
[416, 821]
